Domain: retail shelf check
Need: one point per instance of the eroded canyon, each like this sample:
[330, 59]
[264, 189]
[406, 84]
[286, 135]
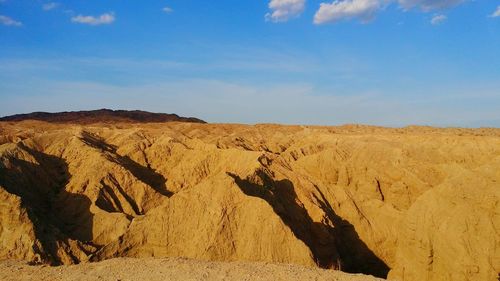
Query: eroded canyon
[415, 203]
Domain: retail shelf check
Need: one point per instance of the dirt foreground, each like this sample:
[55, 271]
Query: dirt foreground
[128, 269]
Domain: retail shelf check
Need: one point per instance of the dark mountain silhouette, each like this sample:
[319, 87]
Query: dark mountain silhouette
[101, 115]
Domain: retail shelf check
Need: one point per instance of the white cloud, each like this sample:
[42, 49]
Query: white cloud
[167, 10]
[429, 5]
[107, 18]
[346, 9]
[5, 20]
[496, 13]
[283, 10]
[50, 6]
[365, 10]
[438, 19]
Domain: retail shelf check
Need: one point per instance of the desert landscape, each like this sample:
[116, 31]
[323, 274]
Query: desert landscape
[346, 140]
[175, 200]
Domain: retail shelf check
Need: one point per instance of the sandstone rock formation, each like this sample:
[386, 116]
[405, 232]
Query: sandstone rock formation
[416, 203]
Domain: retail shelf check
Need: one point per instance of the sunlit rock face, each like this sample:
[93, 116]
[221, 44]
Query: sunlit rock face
[416, 203]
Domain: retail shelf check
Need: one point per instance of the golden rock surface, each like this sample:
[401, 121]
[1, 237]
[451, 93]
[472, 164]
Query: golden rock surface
[415, 203]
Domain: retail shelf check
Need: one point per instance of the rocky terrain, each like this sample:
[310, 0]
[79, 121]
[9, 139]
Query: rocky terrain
[415, 203]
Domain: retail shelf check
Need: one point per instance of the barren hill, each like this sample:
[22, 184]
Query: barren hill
[416, 203]
[101, 115]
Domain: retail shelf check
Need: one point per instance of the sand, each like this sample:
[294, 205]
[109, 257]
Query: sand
[128, 269]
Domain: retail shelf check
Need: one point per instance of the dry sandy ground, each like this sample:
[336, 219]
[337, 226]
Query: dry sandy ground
[127, 269]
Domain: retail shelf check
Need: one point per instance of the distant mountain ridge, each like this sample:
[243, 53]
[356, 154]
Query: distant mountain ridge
[101, 115]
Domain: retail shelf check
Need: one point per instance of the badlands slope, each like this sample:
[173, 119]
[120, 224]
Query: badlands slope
[416, 203]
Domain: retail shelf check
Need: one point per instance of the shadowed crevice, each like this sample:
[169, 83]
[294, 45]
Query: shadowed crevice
[355, 254]
[336, 247]
[57, 215]
[107, 200]
[130, 201]
[145, 174]
[281, 196]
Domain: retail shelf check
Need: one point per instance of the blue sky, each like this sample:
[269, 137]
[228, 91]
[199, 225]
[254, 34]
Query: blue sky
[383, 62]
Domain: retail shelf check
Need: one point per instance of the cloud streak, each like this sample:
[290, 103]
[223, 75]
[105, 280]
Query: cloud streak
[223, 101]
[365, 10]
[64, 84]
[283, 10]
[50, 6]
[438, 19]
[7, 21]
[496, 13]
[106, 18]
[429, 5]
[338, 10]
[167, 10]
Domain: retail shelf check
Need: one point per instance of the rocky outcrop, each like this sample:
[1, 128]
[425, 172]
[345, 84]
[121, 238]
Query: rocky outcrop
[451, 232]
[412, 204]
[17, 233]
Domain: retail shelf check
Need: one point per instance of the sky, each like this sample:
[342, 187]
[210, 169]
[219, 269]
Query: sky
[316, 62]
